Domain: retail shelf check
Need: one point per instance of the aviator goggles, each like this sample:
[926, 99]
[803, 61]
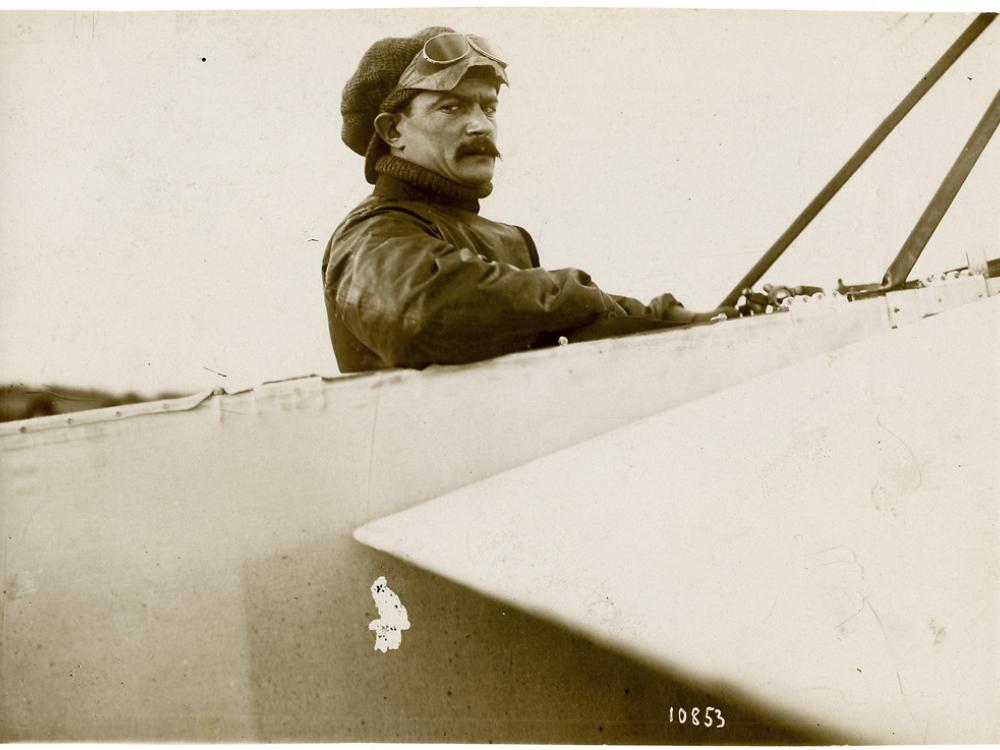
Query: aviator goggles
[445, 58]
[450, 47]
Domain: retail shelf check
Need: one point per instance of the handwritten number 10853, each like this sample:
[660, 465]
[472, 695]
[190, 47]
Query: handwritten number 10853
[708, 717]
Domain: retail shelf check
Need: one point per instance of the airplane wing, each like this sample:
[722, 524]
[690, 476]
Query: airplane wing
[824, 536]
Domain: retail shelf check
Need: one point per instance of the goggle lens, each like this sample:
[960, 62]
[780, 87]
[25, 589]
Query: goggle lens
[446, 48]
[486, 47]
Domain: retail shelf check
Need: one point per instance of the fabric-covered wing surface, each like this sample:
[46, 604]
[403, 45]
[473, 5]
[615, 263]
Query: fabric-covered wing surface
[823, 536]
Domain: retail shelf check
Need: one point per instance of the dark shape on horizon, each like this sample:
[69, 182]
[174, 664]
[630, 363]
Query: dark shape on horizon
[20, 401]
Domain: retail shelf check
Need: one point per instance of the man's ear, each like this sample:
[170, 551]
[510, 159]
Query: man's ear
[385, 126]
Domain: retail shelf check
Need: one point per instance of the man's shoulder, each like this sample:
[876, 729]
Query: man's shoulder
[391, 209]
[382, 215]
[378, 211]
[378, 220]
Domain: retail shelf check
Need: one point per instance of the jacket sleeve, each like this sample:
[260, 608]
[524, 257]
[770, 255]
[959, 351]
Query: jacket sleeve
[415, 299]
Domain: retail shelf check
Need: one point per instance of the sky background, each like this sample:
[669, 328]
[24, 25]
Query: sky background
[163, 218]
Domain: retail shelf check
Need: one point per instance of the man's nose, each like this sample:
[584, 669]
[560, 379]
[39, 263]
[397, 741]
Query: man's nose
[478, 123]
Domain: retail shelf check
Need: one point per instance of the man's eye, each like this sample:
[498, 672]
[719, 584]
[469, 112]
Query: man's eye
[450, 108]
[491, 110]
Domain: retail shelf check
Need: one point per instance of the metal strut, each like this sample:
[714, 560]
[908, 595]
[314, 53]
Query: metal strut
[860, 156]
[903, 263]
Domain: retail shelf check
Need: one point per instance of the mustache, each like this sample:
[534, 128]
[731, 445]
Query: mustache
[482, 146]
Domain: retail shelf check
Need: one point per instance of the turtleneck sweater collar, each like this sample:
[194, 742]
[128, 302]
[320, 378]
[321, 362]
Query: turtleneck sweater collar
[403, 179]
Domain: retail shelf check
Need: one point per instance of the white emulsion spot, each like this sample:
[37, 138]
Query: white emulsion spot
[392, 617]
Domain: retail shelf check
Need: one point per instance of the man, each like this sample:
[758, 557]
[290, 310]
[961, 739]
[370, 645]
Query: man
[414, 276]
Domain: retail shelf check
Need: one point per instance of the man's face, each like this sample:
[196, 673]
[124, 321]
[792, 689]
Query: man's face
[452, 132]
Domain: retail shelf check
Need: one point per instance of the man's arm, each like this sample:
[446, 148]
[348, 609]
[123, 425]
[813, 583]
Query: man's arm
[416, 300]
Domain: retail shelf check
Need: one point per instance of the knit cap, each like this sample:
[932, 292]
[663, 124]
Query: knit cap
[372, 90]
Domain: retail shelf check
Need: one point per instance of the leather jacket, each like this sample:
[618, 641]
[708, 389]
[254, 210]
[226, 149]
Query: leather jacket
[414, 278]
